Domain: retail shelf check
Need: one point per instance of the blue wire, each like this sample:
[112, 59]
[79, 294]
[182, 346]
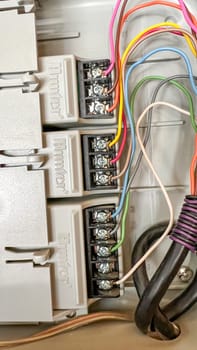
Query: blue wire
[129, 115]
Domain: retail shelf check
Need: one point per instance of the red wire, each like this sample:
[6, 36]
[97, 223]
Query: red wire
[123, 142]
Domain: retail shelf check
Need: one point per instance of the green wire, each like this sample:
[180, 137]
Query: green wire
[173, 82]
[123, 224]
[132, 102]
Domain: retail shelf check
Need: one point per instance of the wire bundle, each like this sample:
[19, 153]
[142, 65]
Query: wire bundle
[184, 235]
[185, 231]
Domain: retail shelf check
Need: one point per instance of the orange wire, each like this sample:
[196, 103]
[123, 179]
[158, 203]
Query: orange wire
[193, 169]
[116, 99]
[127, 14]
[150, 3]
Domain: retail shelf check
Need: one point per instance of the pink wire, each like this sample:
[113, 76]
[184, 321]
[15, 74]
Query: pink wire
[124, 138]
[187, 18]
[111, 38]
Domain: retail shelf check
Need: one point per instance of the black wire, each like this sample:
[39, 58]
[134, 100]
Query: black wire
[149, 120]
[148, 313]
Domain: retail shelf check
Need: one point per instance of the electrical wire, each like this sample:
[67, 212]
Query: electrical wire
[122, 20]
[132, 99]
[118, 32]
[149, 115]
[129, 114]
[111, 39]
[142, 35]
[171, 80]
[126, 165]
[67, 326]
[123, 225]
[187, 17]
[168, 229]
[123, 142]
[160, 320]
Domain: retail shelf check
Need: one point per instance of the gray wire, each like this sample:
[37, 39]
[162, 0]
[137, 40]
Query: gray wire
[147, 136]
[149, 120]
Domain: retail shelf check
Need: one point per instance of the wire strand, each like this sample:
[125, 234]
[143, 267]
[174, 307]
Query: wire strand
[187, 18]
[168, 229]
[67, 326]
[111, 39]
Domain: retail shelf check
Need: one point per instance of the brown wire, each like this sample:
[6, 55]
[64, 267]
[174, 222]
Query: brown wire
[68, 326]
[118, 32]
[126, 164]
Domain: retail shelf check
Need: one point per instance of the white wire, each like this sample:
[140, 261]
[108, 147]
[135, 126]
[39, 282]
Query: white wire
[168, 229]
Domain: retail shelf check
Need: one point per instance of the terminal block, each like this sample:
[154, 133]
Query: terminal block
[73, 92]
[103, 266]
[78, 163]
[97, 155]
[94, 100]
[43, 250]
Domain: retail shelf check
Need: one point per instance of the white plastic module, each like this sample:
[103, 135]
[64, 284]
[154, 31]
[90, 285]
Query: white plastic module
[66, 166]
[42, 263]
[20, 120]
[60, 93]
[19, 50]
[58, 89]
[69, 274]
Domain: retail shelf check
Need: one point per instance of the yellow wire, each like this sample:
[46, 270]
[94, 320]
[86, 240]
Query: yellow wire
[126, 52]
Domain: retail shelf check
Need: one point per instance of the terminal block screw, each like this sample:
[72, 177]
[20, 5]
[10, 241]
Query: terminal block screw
[103, 251]
[105, 267]
[105, 284]
[102, 216]
[96, 72]
[102, 234]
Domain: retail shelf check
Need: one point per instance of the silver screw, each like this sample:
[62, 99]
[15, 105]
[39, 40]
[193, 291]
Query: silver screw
[96, 72]
[101, 144]
[102, 178]
[99, 107]
[102, 216]
[103, 251]
[102, 234]
[101, 161]
[185, 274]
[105, 267]
[105, 284]
[98, 89]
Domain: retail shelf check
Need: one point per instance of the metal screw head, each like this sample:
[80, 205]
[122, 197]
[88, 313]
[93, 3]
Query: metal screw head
[101, 144]
[105, 267]
[103, 178]
[101, 161]
[102, 216]
[103, 251]
[100, 107]
[102, 234]
[97, 72]
[185, 274]
[98, 89]
[105, 284]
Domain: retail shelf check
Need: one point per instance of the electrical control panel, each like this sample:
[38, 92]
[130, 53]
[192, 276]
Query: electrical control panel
[63, 242]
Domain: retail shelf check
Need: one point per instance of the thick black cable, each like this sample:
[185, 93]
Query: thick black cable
[141, 280]
[161, 318]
